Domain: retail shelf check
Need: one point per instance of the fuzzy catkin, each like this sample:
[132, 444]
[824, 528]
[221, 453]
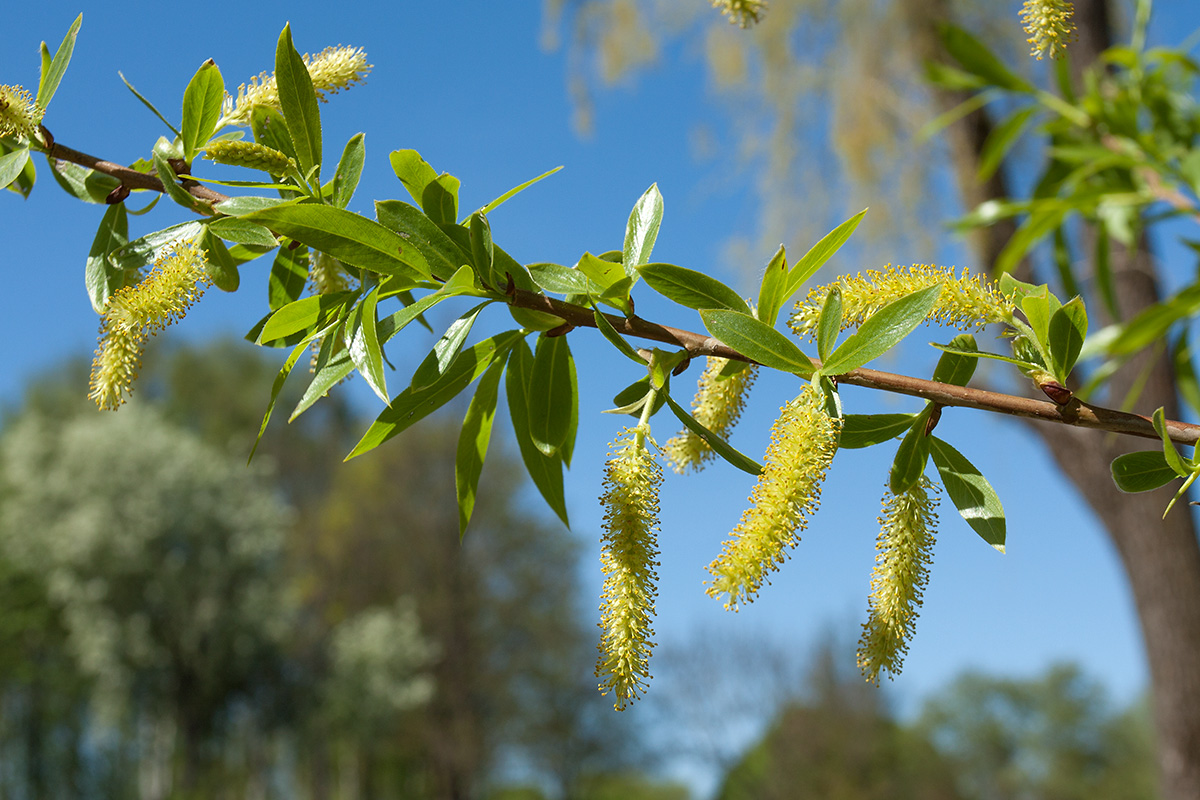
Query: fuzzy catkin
[904, 554]
[803, 443]
[331, 69]
[135, 312]
[629, 552]
[249, 154]
[966, 301]
[718, 406]
[1048, 23]
[20, 116]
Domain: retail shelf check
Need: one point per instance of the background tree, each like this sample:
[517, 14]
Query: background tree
[866, 62]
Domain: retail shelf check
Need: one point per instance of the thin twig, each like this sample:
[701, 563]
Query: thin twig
[1081, 415]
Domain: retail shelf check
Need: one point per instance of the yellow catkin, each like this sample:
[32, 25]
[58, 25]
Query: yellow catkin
[718, 405]
[905, 551]
[742, 13]
[1048, 23]
[249, 154]
[332, 69]
[966, 301]
[803, 443]
[628, 557]
[135, 312]
[19, 114]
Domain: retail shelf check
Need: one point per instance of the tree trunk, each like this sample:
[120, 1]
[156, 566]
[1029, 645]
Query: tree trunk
[1161, 557]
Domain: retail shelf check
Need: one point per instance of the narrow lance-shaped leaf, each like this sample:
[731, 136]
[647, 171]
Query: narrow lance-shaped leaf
[100, 277]
[12, 165]
[911, 456]
[1067, 330]
[882, 331]
[551, 394]
[289, 276]
[865, 430]
[829, 323]
[149, 105]
[975, 499]
[691, 288]
[362, 340]
[409, 407]
[202, 101]
[446, 350]
[1174, 460]
[642, 230]
[818, 254]
[53, 72]
[298, 100]
[718, 444]
[756, 340]
[492, 206]
[954, 368]
[545, 471]
[774, 284]
[349, 170]
[473, 443]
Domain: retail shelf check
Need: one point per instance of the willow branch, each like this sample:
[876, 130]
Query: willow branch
[1076, 413]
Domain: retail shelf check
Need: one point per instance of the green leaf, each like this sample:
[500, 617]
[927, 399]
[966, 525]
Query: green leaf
[718, 444]
[362, 341]
[600, 272]
[691, 288]
[202, 101]
[447, 348]
[146, 250]
[52, 75]
[973, 56]
[492, 206]
[546, 471]
[954, 368]
[756, 340]
[222, 268]
[483, 253]
[617, 340]
[820, 252]
[349, 170]
[1142, 471]
[410, 406]
[348, 237]
[1104, 274]
[975, 499]
[1174, 460]
[150, 106]
[882, 331]
[865, 430]
[473, 443]
[972, 353]
[171, 185]
[100, 277]
[242, 231]
[1001, 140]
[248, 204]
[771, 293]
[1037, 227]
[270, 128]
[463, 282]
[1067, 330]
[642, 230]
[632, 399]
[552, 391]
[413, 171]
[559, 279]
[298, 100]
[1185, 372]
[911, 455]
[305, 314]
[436, 194]
[289, 275]
[1152, 323]
[829, 323]
[12, 165]
[21, 183]
[83, 183]
[443, 256]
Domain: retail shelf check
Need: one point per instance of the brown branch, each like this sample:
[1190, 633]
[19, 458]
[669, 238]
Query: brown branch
[130, 178]
[1076, 413]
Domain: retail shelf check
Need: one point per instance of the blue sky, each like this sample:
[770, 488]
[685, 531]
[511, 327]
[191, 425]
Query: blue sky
[468, 86]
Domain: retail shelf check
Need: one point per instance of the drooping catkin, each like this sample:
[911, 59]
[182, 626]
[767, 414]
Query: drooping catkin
[966, 301]
[1048, 23]
[135, 312]
[742, 13]
[718, 405]
[628, 557]
[904, 554]
[803, 443]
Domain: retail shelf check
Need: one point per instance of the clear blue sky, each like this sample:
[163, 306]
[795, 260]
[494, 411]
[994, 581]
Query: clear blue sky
[468, 86]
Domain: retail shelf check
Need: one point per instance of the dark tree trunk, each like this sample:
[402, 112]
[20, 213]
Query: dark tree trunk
[1161, 557]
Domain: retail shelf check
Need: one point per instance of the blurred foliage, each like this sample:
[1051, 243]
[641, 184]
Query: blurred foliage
[171, 628]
